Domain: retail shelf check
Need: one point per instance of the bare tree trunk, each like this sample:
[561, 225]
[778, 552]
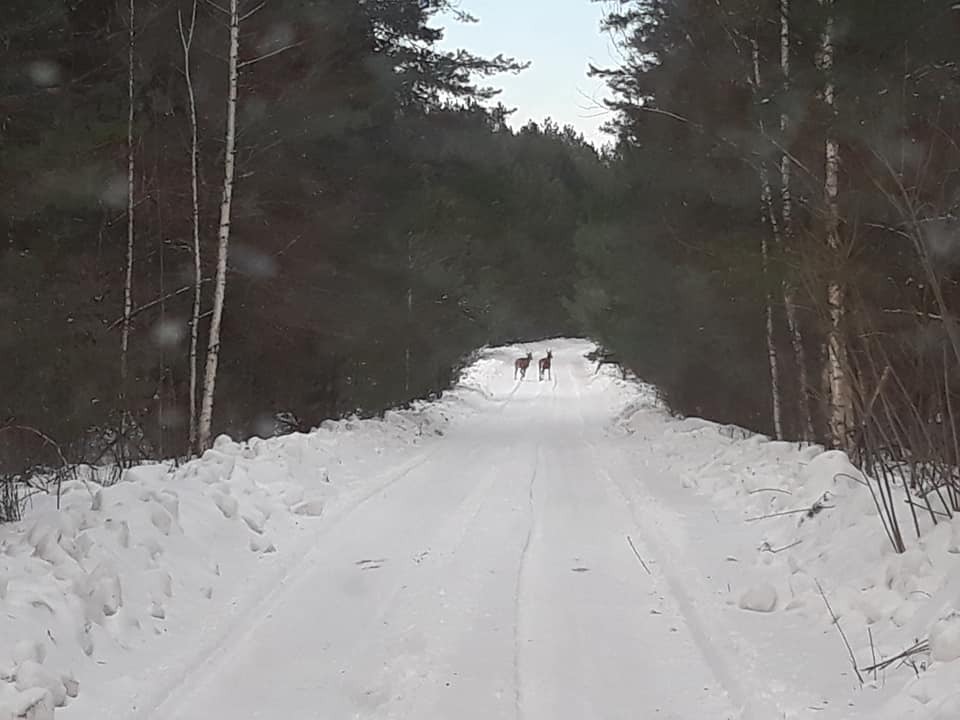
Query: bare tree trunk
[770, 217]
[786, 165]
[162, 356]
[128, 279]
[223, 235]
[786, 202]
[841, 393]
[186, 40]
[770, 335]
[407, 354]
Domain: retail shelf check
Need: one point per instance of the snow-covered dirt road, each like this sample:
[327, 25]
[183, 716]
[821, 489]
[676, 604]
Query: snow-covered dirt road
[509, 575]
[526, 550]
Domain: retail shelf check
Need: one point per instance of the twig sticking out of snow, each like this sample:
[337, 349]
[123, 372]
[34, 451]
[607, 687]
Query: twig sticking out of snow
[873, 654]
[918, 648]
[637, 553]
[767, 547]
[843, 635]
[810, 512]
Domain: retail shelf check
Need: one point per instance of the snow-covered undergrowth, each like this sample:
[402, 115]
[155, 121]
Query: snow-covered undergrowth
[124, 583]
[816, 538]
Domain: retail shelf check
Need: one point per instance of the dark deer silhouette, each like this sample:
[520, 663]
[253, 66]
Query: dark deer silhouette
[521, 365]
[545, 365]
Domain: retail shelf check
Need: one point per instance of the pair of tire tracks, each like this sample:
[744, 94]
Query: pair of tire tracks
[750, 708]
[518, 593]
[192, 676]
[522, 565]
[677, 589]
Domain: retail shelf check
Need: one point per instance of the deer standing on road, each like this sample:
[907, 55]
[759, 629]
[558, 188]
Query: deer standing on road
[521, 365]
[545, 363]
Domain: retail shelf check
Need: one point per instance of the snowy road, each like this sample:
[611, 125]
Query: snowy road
[556, 550]
[494, 580]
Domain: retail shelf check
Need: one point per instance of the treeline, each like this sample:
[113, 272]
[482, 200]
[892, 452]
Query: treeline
[771, 238]
[384, 220]
[786, 251]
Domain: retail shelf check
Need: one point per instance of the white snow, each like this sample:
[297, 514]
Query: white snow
[759, 598]
[556, 550]
[945, 638]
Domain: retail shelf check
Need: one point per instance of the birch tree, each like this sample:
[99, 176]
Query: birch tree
[786, 205]
[131, 181]
[841, 393]
[223, 233]
[769, 217]
[186, 41]
[407, 352]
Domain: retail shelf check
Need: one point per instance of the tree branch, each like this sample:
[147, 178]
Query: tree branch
[270, 54]
[153, 303]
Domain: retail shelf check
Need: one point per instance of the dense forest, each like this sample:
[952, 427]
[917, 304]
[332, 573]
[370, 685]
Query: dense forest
[336, 212]
[384, 221]
[785, 252]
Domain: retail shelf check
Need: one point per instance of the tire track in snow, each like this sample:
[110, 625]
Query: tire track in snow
[522, 566]
[446, 573]
[725, 672]
[445, 543]
[678, 592]
[192, 675]
[518, 597]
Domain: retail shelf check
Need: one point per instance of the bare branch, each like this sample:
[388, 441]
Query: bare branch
[153, 303]
[253, 12]
[915, 313]
[270, 54]
[637, 553]
[212, 4]
[843, 635]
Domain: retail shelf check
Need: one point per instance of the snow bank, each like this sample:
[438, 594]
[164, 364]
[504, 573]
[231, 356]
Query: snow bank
[150, 560]
[815, 527]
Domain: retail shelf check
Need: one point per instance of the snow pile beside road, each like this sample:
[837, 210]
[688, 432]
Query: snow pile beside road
[817, 538]
[164, 558]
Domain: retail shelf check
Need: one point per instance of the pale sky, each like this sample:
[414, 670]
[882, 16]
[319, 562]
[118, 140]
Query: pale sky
[560, 38]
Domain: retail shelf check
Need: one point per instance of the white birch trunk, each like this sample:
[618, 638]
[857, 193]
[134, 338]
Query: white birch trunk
[128, 279]
[770, 336]
[769, 216]
[786, 166]
[407, 354]
[841, 394]
[786, 202]
[186, 40]
[223, 236]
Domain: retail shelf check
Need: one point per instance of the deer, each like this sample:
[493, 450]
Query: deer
[521, 365]
[545, 363]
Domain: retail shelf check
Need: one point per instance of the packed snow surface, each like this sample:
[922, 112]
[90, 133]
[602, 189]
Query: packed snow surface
[560, 549]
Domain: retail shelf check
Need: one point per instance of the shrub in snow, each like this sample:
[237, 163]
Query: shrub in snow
[945, 638]
[759, 598]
